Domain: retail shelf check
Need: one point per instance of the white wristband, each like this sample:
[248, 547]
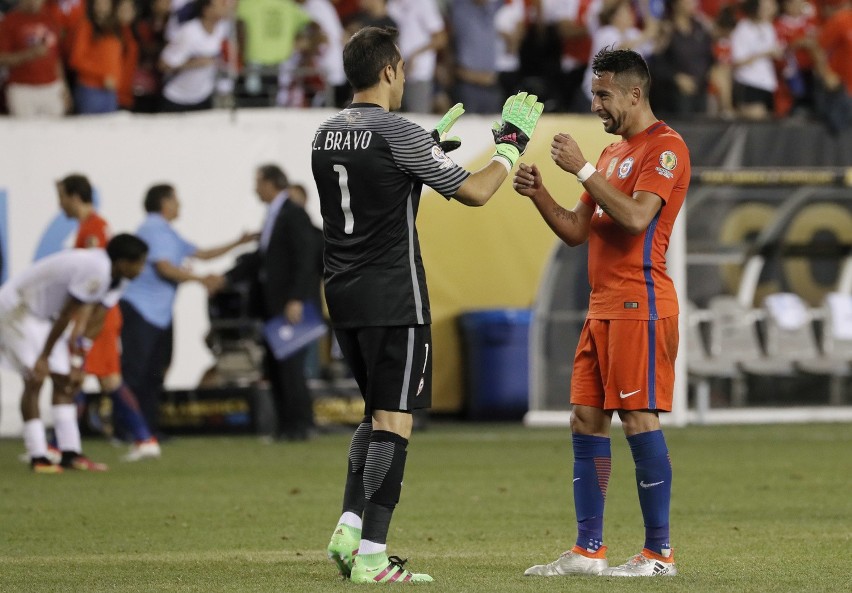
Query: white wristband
[586, 172]
[77, 361]
[503, 161]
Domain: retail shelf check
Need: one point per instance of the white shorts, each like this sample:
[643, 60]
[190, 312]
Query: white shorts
[42, 100]
[22, 338]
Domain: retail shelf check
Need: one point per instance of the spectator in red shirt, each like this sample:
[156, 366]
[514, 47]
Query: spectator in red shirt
[67, 14]
[29, 47]
[834, 66]
[346, 9]
[836, 40]
[796, 28]
[576, 52]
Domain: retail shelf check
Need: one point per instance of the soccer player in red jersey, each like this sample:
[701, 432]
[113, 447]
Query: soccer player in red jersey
[625, 357]
[102, 357]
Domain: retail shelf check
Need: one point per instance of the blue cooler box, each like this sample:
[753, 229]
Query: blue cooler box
[496, 350]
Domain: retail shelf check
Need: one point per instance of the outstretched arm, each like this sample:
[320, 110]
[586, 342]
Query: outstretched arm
[215, 252]
[477, 189]
[169, 271]
[520, 116]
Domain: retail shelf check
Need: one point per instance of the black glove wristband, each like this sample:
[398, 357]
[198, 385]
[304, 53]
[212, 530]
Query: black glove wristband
[511, 134]
[447, 145]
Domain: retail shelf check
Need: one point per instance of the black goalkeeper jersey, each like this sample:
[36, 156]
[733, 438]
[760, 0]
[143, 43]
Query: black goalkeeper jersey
[369, 167]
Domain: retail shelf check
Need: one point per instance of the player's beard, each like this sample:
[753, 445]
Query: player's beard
[614, 124]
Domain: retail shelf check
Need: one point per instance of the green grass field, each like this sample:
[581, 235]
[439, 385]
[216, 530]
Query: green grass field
[765, 508]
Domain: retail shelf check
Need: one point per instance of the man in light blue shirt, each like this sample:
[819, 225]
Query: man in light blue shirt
[148, 303]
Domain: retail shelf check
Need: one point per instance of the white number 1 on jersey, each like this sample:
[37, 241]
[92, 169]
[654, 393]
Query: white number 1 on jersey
[343, 182]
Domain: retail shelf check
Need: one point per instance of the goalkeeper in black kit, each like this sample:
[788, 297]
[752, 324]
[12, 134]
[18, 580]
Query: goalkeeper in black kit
[370, 166]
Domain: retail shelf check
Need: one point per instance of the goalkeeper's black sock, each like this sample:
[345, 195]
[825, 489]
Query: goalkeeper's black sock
[382, 485]
[353, 493]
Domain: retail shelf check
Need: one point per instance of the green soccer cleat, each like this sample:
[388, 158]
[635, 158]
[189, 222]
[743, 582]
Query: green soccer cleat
[343, 547]
[379, 568]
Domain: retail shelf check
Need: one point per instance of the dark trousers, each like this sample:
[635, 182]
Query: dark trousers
[146, 353]
[290, 393]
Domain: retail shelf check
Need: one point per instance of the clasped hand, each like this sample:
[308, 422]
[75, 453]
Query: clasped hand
[566, 153]
[527, 180]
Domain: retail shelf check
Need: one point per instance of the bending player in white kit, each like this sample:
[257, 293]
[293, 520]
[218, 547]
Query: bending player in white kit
[36, 309]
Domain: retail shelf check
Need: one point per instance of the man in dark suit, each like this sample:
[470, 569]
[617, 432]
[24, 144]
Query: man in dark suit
[283, 276]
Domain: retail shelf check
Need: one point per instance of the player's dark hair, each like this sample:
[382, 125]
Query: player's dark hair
[77, 185]
[626, 65]
[157, 195]
[275, 175]
[367, 53]
[127, 247]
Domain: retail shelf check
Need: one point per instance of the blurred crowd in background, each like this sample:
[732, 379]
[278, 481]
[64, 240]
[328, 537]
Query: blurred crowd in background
[754, 59]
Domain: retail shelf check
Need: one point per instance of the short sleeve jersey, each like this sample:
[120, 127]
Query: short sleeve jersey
[627, 273]
[370, 166]
[93, 232]
[68, 15]
[21, 30]
[193, 40]
[84, 274]
[836, 40]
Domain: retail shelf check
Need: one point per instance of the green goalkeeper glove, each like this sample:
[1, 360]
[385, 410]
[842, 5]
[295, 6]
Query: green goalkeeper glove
[520, 116]
[443, 127]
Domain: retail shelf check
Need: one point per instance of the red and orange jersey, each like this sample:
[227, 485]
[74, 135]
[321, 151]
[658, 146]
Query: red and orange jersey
[68, 14]
[579, 47]
[792, 28]
[103, 359]
[20, 31]
[93, 232]
[129, 62]
[95, 58]
[627, 273]
[836, 40]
